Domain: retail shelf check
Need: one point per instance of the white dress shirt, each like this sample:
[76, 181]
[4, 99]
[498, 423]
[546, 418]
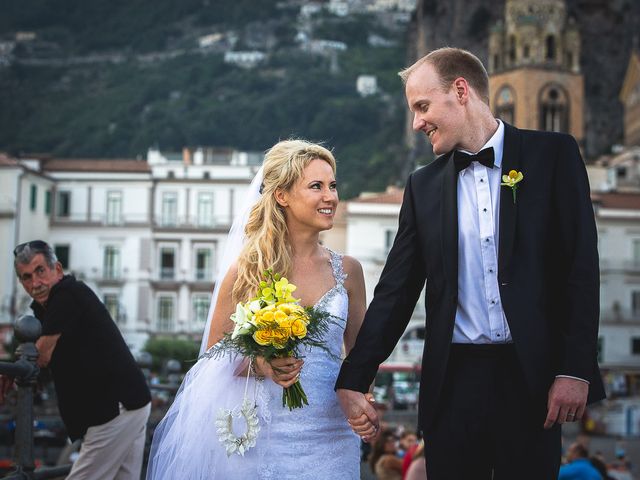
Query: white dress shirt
[479, 316]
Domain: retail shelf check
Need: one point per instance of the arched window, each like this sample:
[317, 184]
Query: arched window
[550, 50]
[505, 105]
[554, 109]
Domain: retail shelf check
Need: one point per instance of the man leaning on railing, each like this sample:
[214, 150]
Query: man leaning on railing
[102, 394]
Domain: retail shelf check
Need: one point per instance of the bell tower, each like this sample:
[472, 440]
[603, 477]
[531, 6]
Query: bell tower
[534, 68]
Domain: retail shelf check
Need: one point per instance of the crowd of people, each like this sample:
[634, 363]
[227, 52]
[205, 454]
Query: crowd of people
[396, 454]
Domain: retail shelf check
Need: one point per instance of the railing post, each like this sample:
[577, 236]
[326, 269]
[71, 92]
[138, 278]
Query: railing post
[27, 330]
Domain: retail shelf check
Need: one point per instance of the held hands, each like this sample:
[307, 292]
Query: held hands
[362, 417]
[567, 400]
[283, 371]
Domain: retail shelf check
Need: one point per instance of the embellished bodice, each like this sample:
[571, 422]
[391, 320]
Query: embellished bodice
[336, 302]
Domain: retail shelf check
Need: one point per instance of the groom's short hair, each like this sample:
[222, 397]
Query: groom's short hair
[451, 63]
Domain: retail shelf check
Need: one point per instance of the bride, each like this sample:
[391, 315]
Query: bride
[297, 200]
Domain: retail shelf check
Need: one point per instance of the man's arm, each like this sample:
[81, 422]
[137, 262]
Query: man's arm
[577, 240]
[46, 345]
[394, 299]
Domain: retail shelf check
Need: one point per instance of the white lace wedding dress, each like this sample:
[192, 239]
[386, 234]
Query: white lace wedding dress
[314, 442]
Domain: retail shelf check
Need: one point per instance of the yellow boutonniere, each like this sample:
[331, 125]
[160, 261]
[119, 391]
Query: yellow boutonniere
[512, 181]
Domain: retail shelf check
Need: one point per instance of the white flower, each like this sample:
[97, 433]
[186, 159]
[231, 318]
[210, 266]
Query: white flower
[254, 306]
[240, 316]
[243, 319]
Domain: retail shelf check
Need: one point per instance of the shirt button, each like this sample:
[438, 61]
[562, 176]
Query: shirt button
[482, 179]
[484, 209]
[491, 270]
[498, 334]
[493, 302]
[486, 239]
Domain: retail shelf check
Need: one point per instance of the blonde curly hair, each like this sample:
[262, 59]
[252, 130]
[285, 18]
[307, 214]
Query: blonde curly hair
[266, 244]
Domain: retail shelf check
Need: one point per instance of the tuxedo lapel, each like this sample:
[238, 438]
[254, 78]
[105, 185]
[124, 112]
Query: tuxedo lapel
[449, 216]
[508, 209]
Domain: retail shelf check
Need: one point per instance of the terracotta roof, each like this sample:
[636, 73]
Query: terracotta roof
[96, 165]
[392, 195]
[7, 161]
[624, 201]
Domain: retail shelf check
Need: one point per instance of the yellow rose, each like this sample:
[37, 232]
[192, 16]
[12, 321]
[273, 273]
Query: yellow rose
[280, 336]
[285, 307]
[262, 337]
[279, 316]
[295, 308]
[286, 322]
[299, 328]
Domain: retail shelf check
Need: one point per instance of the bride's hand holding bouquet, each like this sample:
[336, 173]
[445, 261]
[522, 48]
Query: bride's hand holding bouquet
[270, 329]
[284, 371]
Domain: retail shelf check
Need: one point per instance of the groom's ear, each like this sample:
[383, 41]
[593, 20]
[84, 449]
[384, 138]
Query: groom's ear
[281, 197]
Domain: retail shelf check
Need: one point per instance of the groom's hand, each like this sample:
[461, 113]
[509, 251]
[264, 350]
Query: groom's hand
[567, 401]
[360, 413]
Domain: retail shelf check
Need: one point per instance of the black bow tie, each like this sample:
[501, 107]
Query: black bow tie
[463, 160]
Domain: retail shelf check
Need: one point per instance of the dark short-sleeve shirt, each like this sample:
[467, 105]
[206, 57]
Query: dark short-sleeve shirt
[93, 369]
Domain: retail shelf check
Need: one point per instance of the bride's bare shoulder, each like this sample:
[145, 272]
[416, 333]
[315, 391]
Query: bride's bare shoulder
[352, 268]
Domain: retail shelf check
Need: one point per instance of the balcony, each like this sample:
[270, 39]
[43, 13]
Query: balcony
[102, 219]
[204, 275]
[608, 266]
[111, 276]
[7, 208]
[167, 273]
[220, 223]
[620, 316]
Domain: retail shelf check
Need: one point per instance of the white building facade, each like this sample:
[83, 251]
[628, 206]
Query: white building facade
[145, 235]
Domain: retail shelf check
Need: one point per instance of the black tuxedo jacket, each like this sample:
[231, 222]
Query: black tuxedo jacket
[547, 271]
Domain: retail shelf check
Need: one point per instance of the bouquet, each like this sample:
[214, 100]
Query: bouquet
[274, 324]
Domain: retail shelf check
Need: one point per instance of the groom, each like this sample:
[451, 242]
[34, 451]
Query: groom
[512, 285]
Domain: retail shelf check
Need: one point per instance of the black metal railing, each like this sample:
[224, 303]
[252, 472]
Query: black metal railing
[25, 371]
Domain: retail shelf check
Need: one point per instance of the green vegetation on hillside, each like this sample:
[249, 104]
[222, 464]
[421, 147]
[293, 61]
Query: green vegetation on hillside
[121, 109]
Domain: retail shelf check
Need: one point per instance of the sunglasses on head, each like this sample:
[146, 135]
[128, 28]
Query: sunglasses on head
[37, 245]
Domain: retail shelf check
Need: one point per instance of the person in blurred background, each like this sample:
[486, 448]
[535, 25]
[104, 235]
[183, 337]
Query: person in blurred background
[578, 466]
[418, 468]
[383, 460]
